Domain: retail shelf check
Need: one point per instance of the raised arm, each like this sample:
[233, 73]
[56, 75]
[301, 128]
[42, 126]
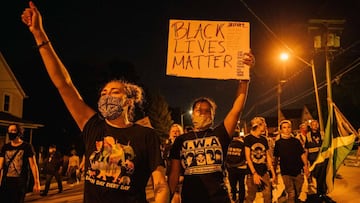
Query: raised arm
[232, 117]
[60, 77]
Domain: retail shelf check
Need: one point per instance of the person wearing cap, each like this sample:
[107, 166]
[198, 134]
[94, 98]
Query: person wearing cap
[205, 182]
[259, 162]
[293, 161]
[16, 157]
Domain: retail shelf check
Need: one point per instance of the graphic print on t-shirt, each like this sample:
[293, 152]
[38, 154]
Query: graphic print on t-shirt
[15, 166]
[258, 153]
[111, 164]
[201, 155]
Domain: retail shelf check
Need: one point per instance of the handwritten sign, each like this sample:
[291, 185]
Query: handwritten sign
[208, 49]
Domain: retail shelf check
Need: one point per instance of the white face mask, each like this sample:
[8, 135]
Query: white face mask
[111, 107]
[202, 122]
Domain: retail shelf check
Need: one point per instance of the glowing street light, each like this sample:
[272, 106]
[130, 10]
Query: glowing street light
[284, 56]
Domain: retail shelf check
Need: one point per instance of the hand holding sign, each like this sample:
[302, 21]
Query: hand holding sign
[209, 49]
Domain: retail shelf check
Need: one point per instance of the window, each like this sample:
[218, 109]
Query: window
[7, 103]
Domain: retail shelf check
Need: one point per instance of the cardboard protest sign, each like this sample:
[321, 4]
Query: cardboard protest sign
[208, 49]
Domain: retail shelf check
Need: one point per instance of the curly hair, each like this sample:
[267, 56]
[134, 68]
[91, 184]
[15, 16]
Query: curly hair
[134, 94]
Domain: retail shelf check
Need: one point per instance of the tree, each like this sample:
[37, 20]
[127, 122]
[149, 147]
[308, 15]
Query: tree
[159, 113]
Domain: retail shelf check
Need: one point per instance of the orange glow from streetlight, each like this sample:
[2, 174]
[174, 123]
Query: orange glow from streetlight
[284, 56]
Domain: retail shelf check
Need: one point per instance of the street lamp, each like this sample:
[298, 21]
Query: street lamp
[283, 57]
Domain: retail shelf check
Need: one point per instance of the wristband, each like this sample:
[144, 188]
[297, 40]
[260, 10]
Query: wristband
[42, 44]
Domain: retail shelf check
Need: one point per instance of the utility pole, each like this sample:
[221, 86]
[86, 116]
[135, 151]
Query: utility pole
[326, 34]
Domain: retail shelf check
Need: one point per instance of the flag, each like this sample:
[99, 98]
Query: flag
[337, 143]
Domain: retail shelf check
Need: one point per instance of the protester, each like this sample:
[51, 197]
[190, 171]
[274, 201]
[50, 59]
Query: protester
[236, 167]
[175, 131]
[73, 170]
[259, 162]
[16, 159]
[293, 162]
[53, 165]
[303, 130]
[120, 156]
[204, 177]
[312, 147]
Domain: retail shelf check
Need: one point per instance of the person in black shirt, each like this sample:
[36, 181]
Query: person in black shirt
[204, 179]
[16, 159]
[293, 161]
[53, 165]
[120, 155]
[259, 161]
[236, 167]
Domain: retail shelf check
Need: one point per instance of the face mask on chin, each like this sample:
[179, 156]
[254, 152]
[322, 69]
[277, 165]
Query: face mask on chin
[111, 107]
[202, 122]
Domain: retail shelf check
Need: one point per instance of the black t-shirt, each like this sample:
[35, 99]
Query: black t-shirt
[236, 153]
[313, 145]
[258, 148]
[289, 151]
[52, 163]
[20, 165]
[202, 159]
[119, 161]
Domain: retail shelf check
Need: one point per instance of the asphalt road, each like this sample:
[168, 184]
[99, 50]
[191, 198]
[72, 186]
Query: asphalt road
[346, 189]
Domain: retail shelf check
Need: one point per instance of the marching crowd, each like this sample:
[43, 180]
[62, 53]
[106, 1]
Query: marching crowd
[255, 162]
[121, 156]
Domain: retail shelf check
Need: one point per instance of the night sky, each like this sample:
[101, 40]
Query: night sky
[89, 35]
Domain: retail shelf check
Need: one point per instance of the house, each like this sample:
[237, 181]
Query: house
[11, 103]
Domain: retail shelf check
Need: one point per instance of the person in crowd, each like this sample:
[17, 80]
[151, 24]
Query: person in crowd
[259, 162]
[73, 170]
[293, 161]
[312, 147]
[303, 130]
[16, 159]
[301, 136]
[175, 131]
[53, 166]
[82, 166]
[120, 156]
[236, 167]
[204, 178]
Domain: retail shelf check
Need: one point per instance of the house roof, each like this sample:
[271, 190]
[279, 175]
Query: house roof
[6, 119]
[4, 64]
